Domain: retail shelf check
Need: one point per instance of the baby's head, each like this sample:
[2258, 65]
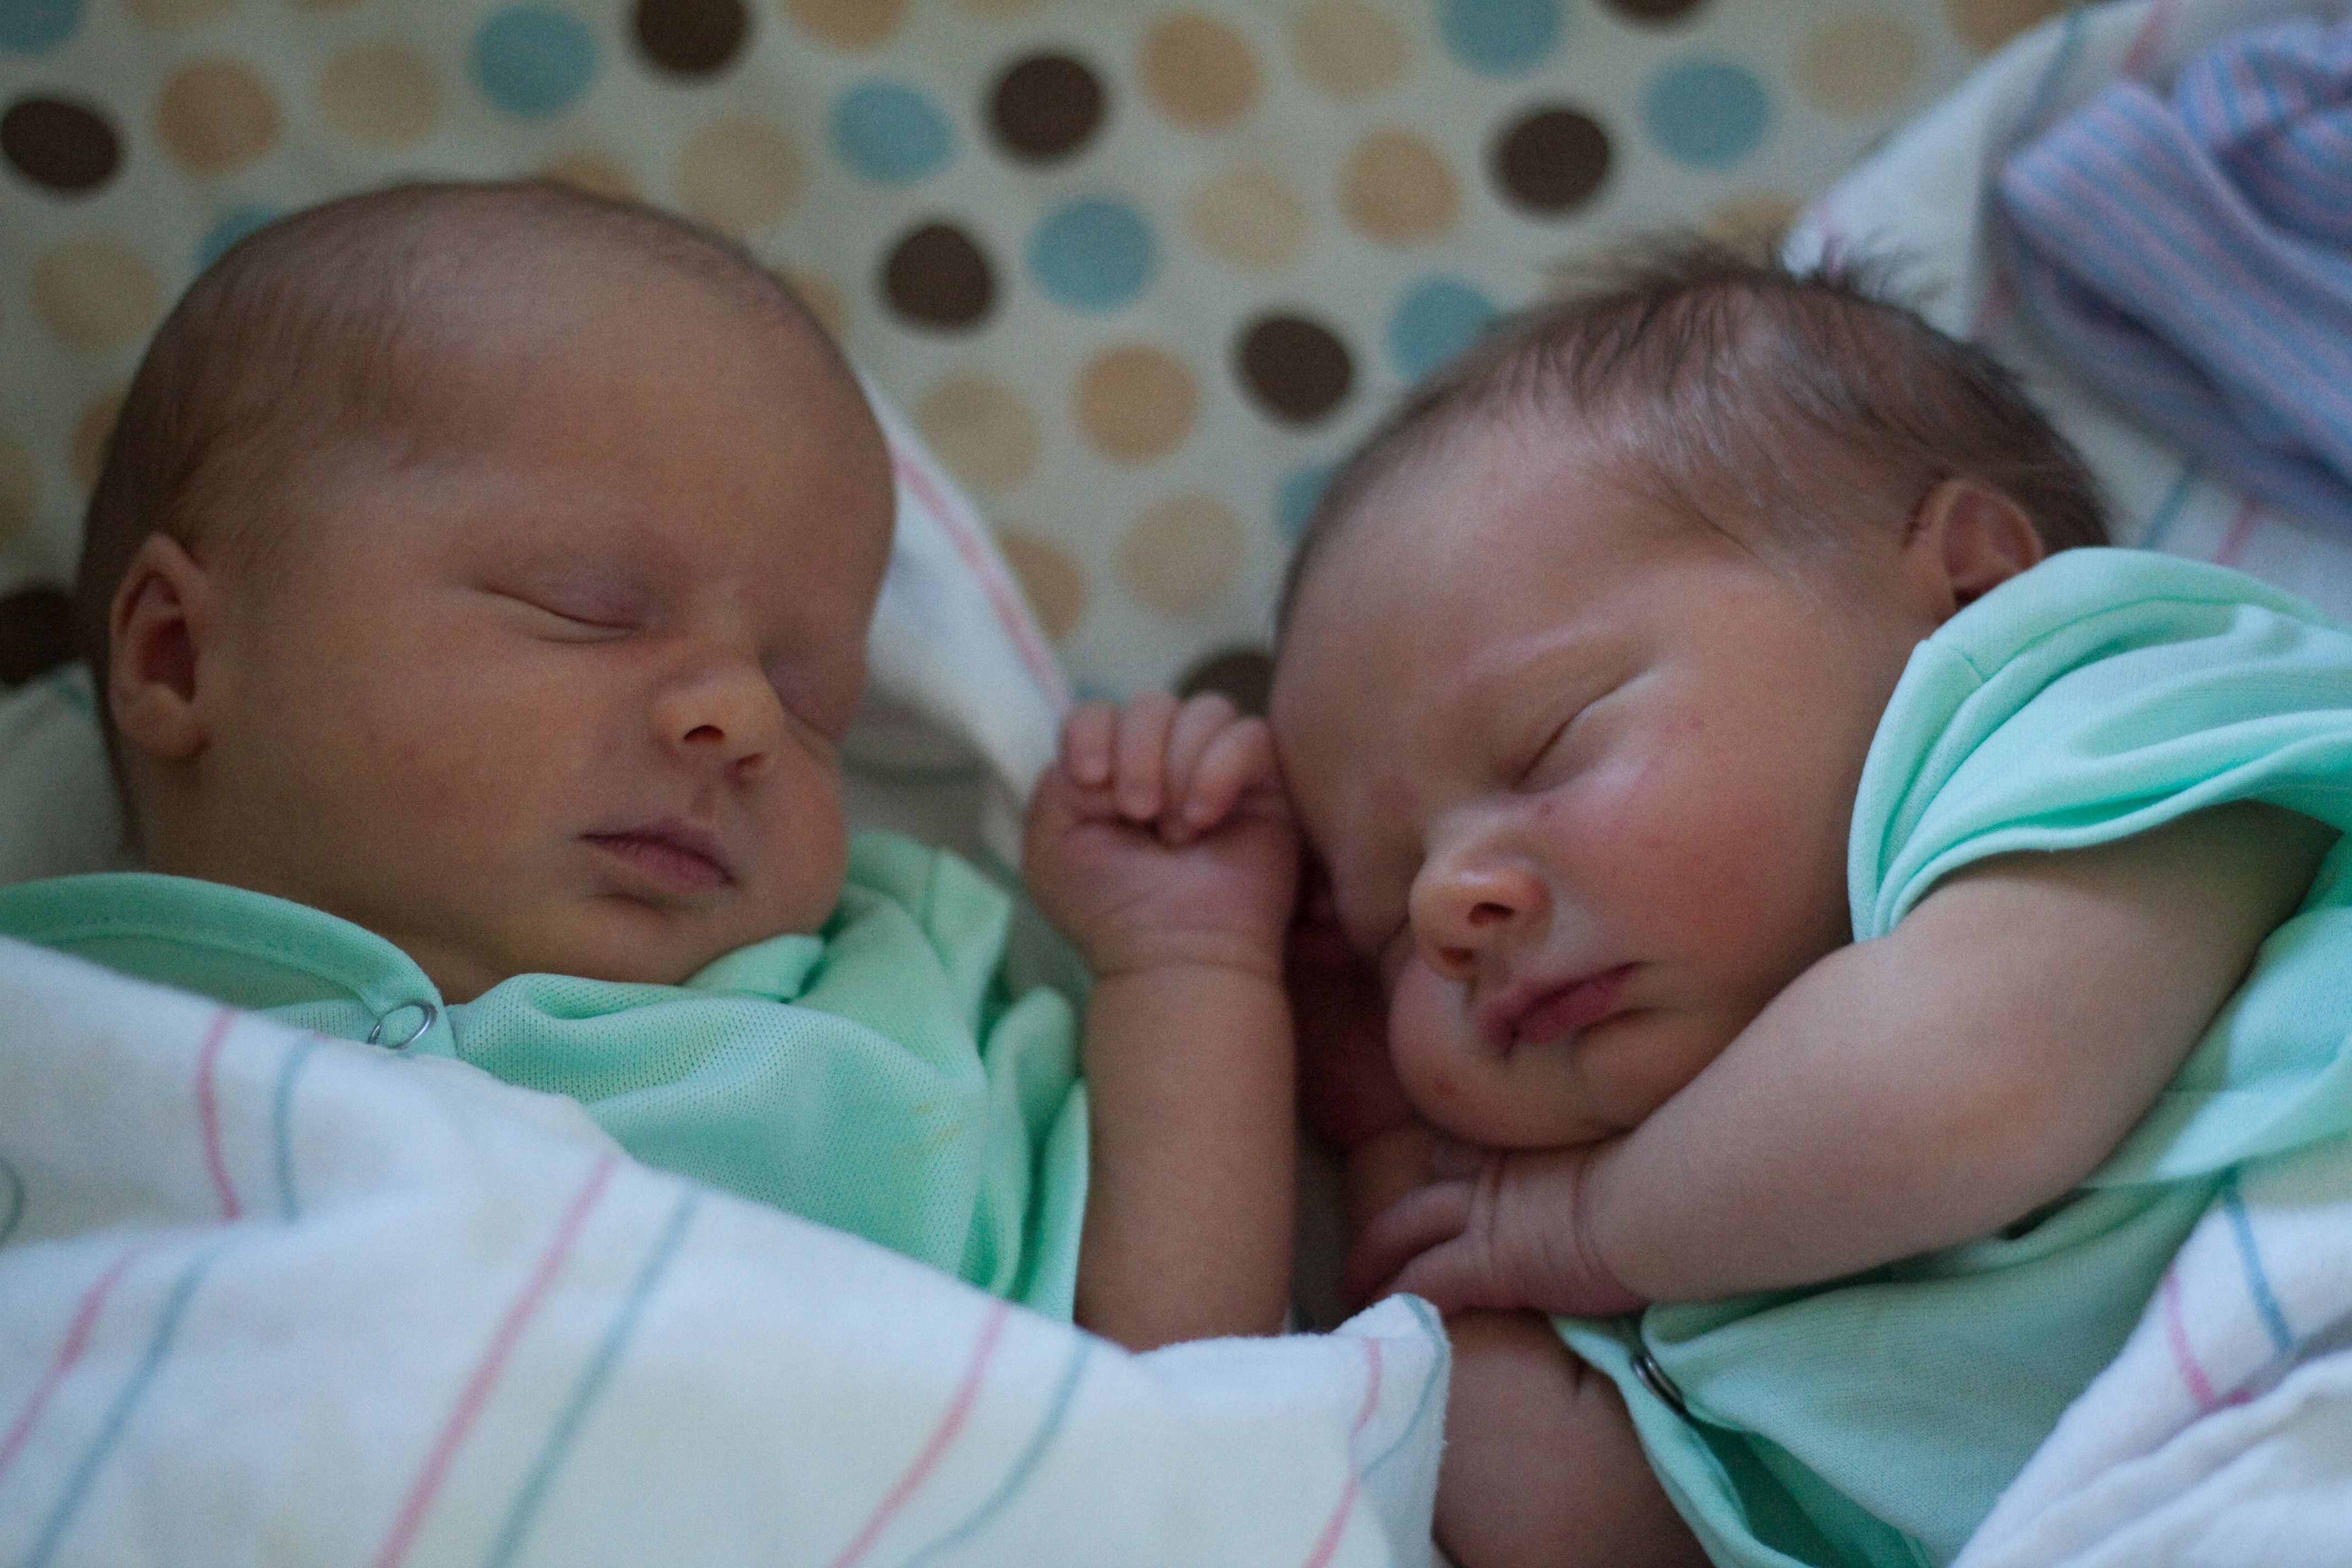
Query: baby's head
[490, 566]
[1581, 657]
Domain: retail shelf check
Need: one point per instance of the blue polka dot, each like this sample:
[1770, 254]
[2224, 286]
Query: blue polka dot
[891, 134]
[35, 26]
[1499, 38]
[1092, 255]
[532, 61]
[228, 231]
[1706, 114]
[1300, 493]
[1436, 320]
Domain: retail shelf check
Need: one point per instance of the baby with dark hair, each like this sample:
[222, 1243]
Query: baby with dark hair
[1803, 930]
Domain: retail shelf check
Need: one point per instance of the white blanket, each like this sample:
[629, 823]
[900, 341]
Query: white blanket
[270, 1299]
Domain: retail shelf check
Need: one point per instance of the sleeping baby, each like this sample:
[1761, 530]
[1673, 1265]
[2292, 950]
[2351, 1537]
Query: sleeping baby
[1797, 909]
[476, 591]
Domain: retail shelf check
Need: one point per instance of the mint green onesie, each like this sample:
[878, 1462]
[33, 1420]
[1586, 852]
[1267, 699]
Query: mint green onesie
[877, 1077]
[1874, 1420]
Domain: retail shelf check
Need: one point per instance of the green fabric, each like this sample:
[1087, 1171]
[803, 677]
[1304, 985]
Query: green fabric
[877, 1077]
[2097, 696]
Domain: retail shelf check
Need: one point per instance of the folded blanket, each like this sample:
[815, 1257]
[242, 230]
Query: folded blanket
[2191, 255]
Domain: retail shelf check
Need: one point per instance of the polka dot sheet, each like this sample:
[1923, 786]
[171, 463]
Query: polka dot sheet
[1140, 272]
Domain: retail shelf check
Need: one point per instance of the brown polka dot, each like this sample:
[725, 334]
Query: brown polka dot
[1551, 161]
[1396, 189]
[739, 174]
[824, 298]
[20, 490]
[35, 633]
[1655, 10]
[1985, 24]
[1859, 63]
[593, 173]
[1197, 71]
[1178, 556]
[1045, 107]
[1245, 675]
[691, 37]
[66, 146]
[937, 277]
[96, 294]
[1136, 401]
[1755, 223]
[982, 431]
[87, 453]
[1297, 369]
[1055, 587]
[847, 23]
[173, 14]
[215, 116]
[1347, 50]
[1248, 218]
[382, 95]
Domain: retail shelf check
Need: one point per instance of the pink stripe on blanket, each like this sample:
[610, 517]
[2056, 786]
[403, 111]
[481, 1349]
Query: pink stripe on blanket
[1009, 610]
[959, 1408]
[208, 1111]
[1329, 1542]
[2240, 531]
[2184, 1360]
[478, 1387]
[77, 1341]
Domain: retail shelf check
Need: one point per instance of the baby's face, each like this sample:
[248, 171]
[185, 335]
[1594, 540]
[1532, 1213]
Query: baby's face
[564, 694]
[1581, 773]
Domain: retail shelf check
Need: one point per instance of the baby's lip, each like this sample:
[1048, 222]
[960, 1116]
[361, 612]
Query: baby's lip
[1543, 1011]
[673, 857]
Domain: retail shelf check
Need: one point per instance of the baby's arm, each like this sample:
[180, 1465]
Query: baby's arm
[1903, 1094]
[1162, 846]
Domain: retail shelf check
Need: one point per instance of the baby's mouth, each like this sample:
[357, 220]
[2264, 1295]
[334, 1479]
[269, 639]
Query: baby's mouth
[671, 858]
[1543, 1014]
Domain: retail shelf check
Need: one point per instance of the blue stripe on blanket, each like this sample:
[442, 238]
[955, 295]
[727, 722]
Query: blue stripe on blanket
[2258, 1282]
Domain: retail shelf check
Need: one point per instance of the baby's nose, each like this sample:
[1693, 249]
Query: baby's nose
[725, 717]
[1462, 908]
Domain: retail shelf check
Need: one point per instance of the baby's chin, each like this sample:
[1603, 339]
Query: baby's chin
[638, 947]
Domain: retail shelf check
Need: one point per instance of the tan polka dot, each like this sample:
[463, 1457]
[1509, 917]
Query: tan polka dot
[847, 23]
[1397, 189]
[1755, 222]
[982, 431]
[20, 490]
[740, 175]
[1180, 555]
[994, 9]
[1859, 63]
[1197, 71]
[590, 171]
[1986, 25]
[1250, 219]
[824, 298]
[384, 95]
[173, 15]
[1347, 50]
[1136, 401]
[96, 294]
[216, 115]
[88, 452]
[1055, 587]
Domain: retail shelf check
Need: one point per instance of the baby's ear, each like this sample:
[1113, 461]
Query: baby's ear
[1970, 539]
[157, 629]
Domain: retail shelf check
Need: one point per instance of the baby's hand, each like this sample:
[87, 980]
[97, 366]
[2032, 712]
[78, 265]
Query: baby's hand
[1494, 1228]
[1163, 837]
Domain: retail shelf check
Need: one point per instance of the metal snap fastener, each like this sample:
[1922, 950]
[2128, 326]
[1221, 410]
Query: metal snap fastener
[1653, 1378]
[425, 1012]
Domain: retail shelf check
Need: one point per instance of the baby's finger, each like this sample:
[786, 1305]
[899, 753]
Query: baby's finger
[1141, 785]
[1423, 1218]
[1198, 723]
[1088, 732]
[1237, 757]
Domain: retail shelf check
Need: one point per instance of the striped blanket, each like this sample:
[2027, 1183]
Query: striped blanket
[270, 1299]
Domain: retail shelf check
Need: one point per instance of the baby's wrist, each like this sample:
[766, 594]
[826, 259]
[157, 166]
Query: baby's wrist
[1175, 954]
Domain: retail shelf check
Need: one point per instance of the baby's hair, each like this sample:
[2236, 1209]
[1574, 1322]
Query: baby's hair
[326, 324]
[1722, 385]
